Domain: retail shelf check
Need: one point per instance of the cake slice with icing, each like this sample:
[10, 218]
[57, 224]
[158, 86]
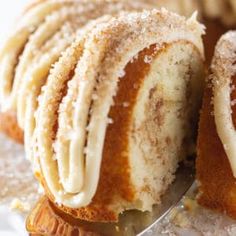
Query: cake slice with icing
[118, 113]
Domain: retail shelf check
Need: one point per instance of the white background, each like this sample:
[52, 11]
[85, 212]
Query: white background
[9, 10]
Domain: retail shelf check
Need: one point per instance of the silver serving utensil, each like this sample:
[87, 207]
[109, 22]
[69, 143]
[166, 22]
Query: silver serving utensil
[134, 222]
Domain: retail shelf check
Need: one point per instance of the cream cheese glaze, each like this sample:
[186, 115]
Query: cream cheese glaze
[13, 47]
[55, 34]
[43, 48]
[224, 68]
[31, 20]
[70, 160]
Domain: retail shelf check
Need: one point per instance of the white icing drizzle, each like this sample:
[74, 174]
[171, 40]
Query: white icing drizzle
[15, 43]
[30, 21]
[54, 31]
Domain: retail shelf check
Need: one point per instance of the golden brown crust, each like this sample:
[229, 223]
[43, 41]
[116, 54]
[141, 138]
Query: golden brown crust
[116, 141]
[217, 184]
[233, 96]
[8, 125]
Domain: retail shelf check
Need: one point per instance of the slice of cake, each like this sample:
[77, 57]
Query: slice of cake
[118, 113]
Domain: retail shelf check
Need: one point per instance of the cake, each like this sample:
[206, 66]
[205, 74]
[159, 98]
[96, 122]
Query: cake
[40, 14]
[44, 31]
[106, 93]
[216, 170]
[224, 10]
[105, 96]
[108, 116]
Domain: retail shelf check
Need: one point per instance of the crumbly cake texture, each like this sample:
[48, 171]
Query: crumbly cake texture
[215, 162]
[99, 122]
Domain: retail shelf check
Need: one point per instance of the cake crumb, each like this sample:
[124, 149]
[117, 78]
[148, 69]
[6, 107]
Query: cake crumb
[41, 189]
[126, 104]
[179, 218]
[18, 205]
[148, 59]
[190, 204]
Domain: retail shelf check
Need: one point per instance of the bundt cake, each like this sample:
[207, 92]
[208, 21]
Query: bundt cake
[216, 168]
[105, 95]
[105, 98]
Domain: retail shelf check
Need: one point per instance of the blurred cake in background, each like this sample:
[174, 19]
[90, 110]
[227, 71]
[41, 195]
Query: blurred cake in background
[216, 169]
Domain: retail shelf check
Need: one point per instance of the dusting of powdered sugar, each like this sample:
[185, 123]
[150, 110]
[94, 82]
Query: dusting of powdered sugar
[17, 181]
[190, 219]
[16, 175]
